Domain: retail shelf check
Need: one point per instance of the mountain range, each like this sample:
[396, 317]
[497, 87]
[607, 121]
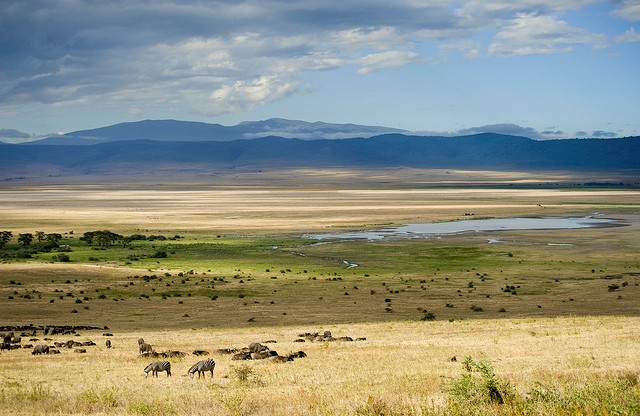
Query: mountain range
[180, 131]
[147, 146]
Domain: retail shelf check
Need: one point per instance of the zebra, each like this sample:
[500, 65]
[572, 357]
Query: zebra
[201, 366]
[157, 367]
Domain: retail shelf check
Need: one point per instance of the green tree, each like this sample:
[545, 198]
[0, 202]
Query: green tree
[53, 238]
[88, 237]
[40, 236]
[106, 238]
[102, 238]
[5, 237]
[25, 239]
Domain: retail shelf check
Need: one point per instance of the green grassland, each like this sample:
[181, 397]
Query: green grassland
[288, 280]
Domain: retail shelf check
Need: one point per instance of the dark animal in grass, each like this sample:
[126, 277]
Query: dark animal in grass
[144, 347]
[261, 355]
[40, 349]
[108, 343]
[243, 355]
[257, 347]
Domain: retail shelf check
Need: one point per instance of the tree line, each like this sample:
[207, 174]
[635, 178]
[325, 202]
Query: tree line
[99, 238]
[26, 239]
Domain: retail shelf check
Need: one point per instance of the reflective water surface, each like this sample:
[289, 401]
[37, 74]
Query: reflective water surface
[426, 230]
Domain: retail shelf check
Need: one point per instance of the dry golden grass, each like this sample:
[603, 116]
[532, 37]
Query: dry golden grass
[402, 366]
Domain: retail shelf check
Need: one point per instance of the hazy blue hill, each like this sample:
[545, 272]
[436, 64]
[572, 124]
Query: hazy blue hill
[482, 151]
[175, 130]
[165, 130]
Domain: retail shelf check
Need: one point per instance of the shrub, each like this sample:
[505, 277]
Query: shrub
[479, 385]
[61, 257]
[245, 374]
[428, 316]
[159, 255]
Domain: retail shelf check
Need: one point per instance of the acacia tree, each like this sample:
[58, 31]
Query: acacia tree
[5, 237]
[53, 238]
[103, 238]
[40, 236]
[25, 239]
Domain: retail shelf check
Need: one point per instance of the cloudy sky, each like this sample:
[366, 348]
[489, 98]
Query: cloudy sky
[539, 68]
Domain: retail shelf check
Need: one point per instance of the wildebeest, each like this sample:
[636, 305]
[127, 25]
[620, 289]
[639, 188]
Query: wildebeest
[201, 366]
[144, 347]
[108, 343]
[158, 366]
[261, 355]
[40, 349]
[257, 347]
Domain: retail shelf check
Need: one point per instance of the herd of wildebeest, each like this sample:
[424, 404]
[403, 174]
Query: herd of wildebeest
[12, 338]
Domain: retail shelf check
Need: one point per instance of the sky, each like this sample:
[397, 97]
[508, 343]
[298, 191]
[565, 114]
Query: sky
[537, 68]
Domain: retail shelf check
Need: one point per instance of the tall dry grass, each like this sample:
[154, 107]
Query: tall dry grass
[560, 366]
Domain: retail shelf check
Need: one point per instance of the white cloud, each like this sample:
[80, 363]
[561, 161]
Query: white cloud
[478, 10]
[630, 35]
[368, 38]
[244, 95]
[143, 54]
[530, 34]
[628, 10]
[388, 59]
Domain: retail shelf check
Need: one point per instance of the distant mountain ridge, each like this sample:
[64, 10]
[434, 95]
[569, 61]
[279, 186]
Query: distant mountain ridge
[175, 130]
[485, 151]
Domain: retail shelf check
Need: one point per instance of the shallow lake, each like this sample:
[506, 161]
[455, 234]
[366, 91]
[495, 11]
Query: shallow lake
[426, 230]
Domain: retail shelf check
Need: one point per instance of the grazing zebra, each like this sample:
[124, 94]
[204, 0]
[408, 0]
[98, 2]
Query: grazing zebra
[201, 366]
[157, 367]
[144, 347]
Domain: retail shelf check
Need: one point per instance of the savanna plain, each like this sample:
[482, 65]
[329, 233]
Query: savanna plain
[521, 322]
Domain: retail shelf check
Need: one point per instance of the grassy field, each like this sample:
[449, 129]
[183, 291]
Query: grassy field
[543, 322]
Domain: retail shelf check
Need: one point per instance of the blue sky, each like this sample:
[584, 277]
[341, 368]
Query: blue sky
[538, 68]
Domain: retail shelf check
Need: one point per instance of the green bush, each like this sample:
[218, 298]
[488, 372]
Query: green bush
[61, 257]
[244, 374]
[428, 316]
[478, 385]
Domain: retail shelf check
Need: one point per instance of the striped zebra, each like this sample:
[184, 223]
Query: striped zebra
[201, 366]
[158, 366]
